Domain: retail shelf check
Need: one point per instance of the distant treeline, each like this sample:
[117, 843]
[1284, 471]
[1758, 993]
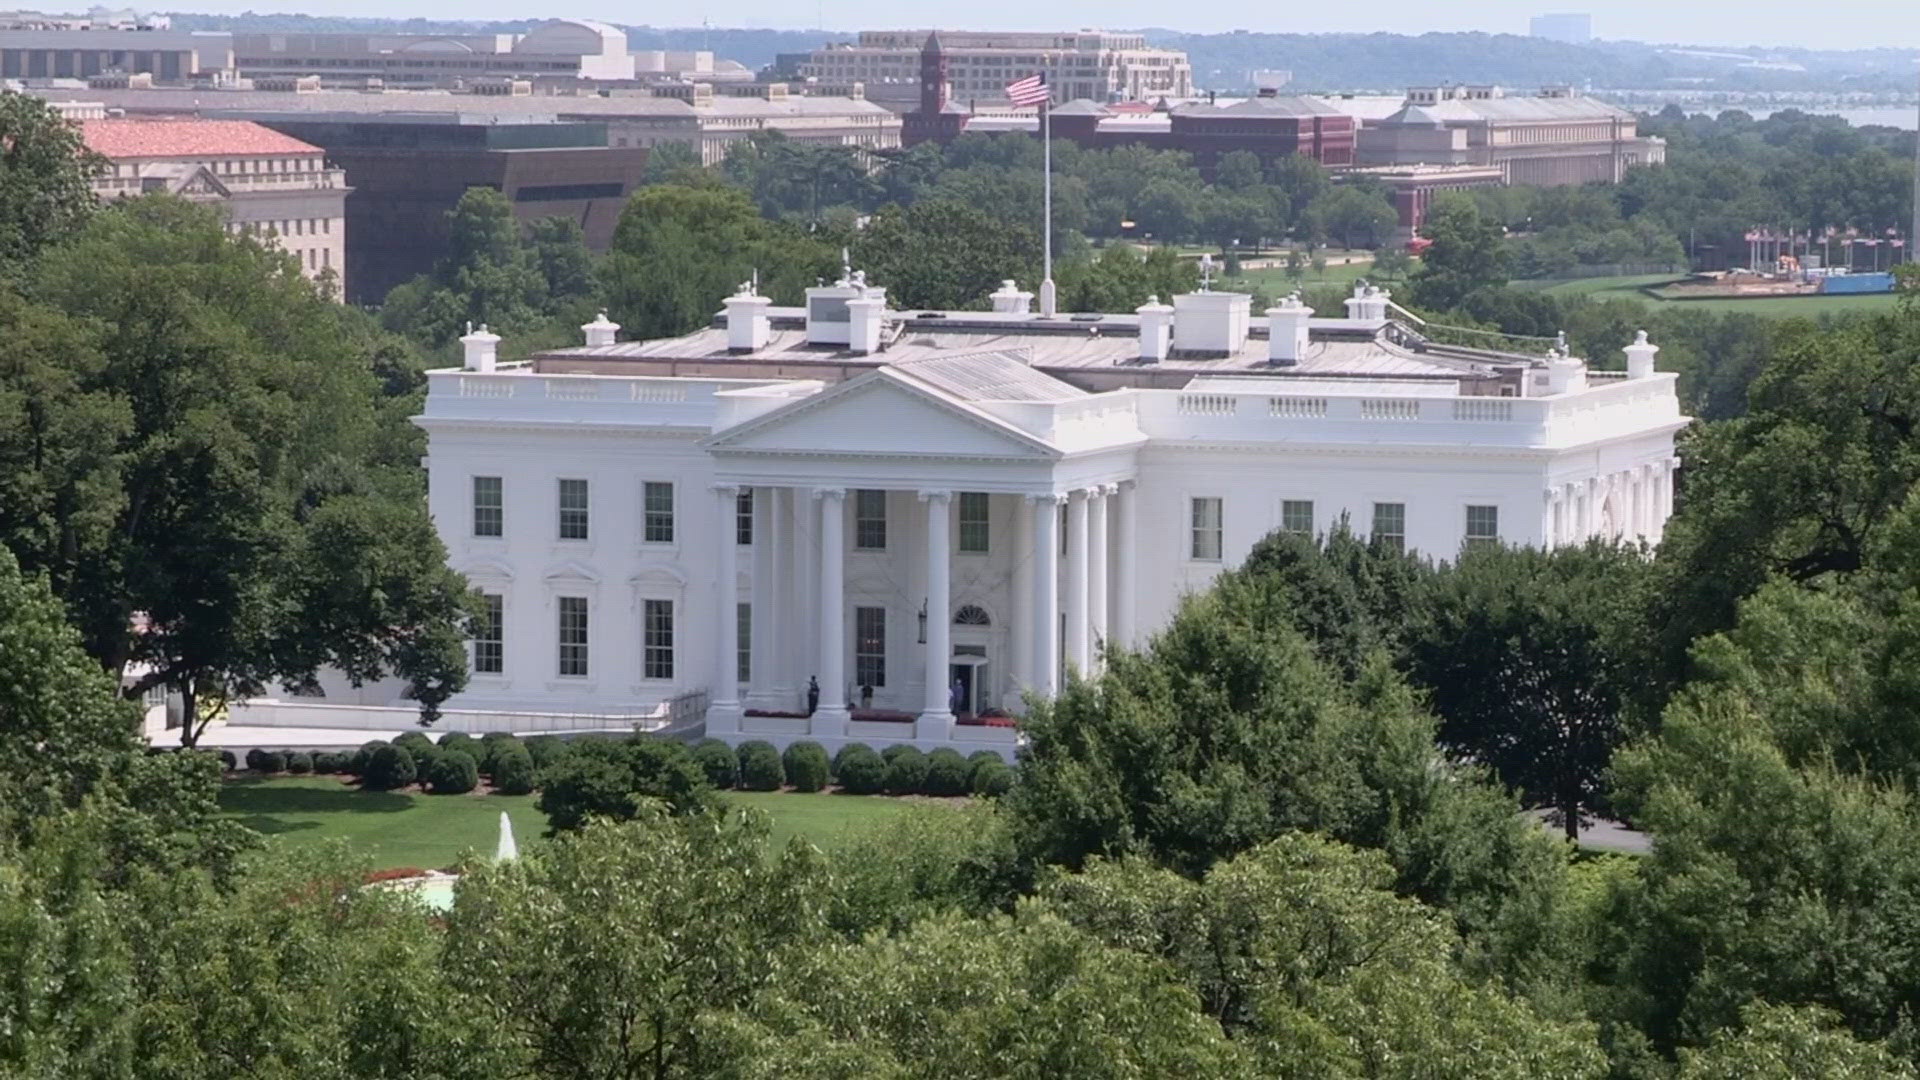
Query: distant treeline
[1385, 62]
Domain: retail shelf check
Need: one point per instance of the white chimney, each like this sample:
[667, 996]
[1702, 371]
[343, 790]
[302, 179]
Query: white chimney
[481, 347]
[1211, 322]
[747, 325]
[866, 314]
[1640, 356]
[1287, 335]
[1009, 300]
[1565, 374]
[1156, 329]
[1368, 303]
[600, 331]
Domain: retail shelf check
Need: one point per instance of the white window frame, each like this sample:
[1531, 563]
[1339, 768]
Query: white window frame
[494, 617]
[1196, 530]
[585, 645]
[862, 520]
[498, 509]
[653, 652]
[1373, 524]
[561, 509]
[667, 520]
[1468, 537]
[863, 656]
[1289, 504]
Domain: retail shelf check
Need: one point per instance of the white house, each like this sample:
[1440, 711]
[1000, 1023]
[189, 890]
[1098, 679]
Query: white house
[952, 509]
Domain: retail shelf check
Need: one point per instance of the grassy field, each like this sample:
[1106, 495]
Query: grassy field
[1628, 288]
[1274, 280]
[430, 831]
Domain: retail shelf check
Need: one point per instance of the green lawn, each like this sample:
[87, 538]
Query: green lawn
[430, 831]
[1274, 280]
[1628, 288]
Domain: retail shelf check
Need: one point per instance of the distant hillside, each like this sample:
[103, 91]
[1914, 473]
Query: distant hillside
[754, 48]
[1387, 62]
[1393, 61]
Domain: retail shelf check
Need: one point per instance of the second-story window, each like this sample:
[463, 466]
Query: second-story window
[974, 522]
[870, 520]
[658, 498]
[573, 509]
[1390, 525]
[1483, 526]
[743, 517]
[1207, 530]
[489, 506]
[1296, 516]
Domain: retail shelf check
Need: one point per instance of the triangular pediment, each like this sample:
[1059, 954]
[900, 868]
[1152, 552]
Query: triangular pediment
[882, 413]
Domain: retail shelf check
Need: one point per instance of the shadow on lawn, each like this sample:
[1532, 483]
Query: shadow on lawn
[259, 805]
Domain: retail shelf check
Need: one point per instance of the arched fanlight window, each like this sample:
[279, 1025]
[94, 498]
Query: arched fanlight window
[971, 615]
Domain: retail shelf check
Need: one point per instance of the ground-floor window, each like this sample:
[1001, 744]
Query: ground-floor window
[744, 668]
[573, 635]
[656, 661]
[1390, 525]
[870, 646]
[489, 636]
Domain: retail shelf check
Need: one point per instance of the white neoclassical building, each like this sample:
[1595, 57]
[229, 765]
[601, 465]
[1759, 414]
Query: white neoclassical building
[927, 515]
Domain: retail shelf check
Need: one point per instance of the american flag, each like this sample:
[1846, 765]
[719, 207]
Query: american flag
[1031, 90]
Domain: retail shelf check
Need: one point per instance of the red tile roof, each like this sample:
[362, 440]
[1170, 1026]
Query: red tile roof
[126, 139]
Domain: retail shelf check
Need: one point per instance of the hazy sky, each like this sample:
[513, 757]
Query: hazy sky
[1814, 23]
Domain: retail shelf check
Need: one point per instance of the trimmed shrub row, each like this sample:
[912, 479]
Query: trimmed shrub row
[452, 766]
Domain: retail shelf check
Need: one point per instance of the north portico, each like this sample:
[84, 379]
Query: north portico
[929, 516]
[860, 488]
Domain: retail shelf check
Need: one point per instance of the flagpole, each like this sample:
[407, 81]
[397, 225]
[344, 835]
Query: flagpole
[1047, 306]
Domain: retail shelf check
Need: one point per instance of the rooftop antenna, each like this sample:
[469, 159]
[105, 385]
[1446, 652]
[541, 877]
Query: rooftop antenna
[1206, 272]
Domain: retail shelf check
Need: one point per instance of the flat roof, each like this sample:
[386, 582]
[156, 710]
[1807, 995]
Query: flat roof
[504, 106]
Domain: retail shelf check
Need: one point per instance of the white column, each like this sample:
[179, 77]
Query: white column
[765, 670]
[830, 719]
[1078, 658]
[723, 701]
[1046, 594]
[1126, 509]
[789, 673]
[1019, 623]
[1097, 584]
[936, 718]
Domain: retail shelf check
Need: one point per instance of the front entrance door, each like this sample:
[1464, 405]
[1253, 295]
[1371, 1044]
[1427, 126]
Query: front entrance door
[968, 685]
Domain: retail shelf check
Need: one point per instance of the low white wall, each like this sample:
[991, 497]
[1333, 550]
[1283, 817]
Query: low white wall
[302, 714]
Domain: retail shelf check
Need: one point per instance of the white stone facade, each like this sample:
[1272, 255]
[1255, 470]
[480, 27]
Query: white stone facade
[1037, 489]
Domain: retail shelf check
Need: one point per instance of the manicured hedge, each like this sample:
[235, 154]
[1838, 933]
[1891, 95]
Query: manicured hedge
[718, 761]
[362, 758]
[906, 771]
[453, 773]
[490, 748]
[228, 761]
[547, 749]
[760, 767]
[992, 779]
[389, 767]
[299, 763]
[512, 769]
[415, 742]
[860, 770]
[849, 748]
[947, 773]
[269, 761]
[889, 753]
[461, 741]
[806, 765]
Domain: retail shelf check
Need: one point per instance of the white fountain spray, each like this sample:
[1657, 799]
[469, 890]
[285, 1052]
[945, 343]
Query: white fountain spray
[506, 849]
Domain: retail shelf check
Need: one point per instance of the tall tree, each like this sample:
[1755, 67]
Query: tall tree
[1465, 255]
[1523, 654]
[258, 529]
[941, 254]
[45, 171]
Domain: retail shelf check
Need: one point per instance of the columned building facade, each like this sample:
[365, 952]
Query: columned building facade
[841, 522]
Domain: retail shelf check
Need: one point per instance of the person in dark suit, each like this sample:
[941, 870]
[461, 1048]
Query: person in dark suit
[813, 694]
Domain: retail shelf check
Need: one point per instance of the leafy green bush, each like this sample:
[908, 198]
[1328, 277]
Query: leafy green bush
[760, 768]
[512, 769]
[979, 758]
[227, 761]
[388, 768]
[362, 759]
[890, 753]
[299, 762]
[992, 778]
[717, 760]
[490, 749]
[860, 770]
[906, 773]
[416, 743]
[270, 761]
[806, 765]
[547, 749]
[603, 778]
[453, 772]
[947, 773]
[461, 741]
[850, 748]
[255, 757]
